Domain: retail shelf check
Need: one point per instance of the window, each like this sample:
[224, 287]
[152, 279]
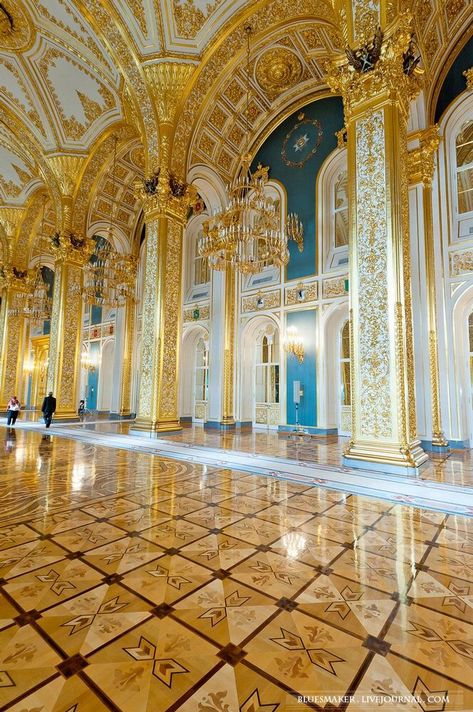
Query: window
[267, 369]
[201, 371]
[464, 155]
[345, 364]
[201, 266]
[340, 207]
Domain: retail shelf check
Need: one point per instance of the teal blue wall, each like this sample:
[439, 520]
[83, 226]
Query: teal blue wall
[300, 182]
[93, 379]
[454, 83]
[305, 322]
[96, 315]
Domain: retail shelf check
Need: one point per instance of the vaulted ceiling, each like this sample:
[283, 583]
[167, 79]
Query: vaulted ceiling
[75, 71]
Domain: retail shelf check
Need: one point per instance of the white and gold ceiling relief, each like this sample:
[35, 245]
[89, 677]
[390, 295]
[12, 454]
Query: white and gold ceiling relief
[286, 69]
[56, 76]
[114, 193]
[18, 176]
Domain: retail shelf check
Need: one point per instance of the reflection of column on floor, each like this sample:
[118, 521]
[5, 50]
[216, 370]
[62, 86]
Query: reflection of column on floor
[228, 404]
[376, 102]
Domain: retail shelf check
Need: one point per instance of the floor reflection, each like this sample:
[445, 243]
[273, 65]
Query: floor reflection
[129, 581]
[454, 467]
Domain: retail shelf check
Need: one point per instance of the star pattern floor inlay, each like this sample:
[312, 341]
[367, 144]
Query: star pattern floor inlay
[130, 582]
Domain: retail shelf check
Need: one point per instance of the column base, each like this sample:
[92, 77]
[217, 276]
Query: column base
[64, 416]
[227, 425]
[121, 416]
[433, 446]
[385, 457]
[154, 428]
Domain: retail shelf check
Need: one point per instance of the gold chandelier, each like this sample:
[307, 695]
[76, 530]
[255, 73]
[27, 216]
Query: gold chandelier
[249, 234]
[109, 276]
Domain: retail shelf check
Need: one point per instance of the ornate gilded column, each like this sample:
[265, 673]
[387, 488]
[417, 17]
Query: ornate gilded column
[228, 407]
[65, 342]
[166, 201]
[376, 94]
[422, 165]
[16, 287]
[165, 208]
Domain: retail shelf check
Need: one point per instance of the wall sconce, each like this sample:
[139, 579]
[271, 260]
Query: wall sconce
[293, 343]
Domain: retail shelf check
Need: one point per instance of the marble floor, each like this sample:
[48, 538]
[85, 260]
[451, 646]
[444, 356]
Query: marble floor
[454, 467]
[133, 582]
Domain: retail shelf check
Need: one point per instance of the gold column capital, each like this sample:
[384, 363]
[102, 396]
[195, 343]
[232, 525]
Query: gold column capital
[68, 247]
[165, 195]
[421, 159]
[361, 89]
[16, 280]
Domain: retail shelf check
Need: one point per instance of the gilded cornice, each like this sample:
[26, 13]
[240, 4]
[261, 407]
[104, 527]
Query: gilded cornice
[10, 220]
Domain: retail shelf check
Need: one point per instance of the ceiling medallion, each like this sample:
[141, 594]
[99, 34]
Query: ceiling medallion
[16, 29]
[277, 70]
[301, 142]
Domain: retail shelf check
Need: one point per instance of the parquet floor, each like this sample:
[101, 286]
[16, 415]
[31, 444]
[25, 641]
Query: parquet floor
[131, 582]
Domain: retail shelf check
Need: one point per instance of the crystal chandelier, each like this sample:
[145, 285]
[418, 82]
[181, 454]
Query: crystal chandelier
[39, 303]
[249, 234]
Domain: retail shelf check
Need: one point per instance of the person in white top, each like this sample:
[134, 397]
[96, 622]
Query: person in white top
[13, 408]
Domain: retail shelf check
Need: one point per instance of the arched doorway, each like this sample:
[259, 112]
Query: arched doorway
[194, 380]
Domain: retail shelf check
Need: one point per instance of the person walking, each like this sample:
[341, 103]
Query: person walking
[13, 408]
[49, 408]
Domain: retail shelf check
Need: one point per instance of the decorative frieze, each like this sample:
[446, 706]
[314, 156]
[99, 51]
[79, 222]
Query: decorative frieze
[461, 262]
[336, 287]
[196, 313]
[261, 301]
[301, 293]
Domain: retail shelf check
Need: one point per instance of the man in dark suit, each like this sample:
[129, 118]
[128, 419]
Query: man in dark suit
[49, 408]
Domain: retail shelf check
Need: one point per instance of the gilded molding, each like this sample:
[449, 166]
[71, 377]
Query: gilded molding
[301, 293]
[204, 314]
[421, 160]
[228, 415]
[261, 301]
[335, 287]
[461, 262]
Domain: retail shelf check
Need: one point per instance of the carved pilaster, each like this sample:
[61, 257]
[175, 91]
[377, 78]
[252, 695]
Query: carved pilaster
[16, 285]
[383, 400]
[66, 321]
[429, 143]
